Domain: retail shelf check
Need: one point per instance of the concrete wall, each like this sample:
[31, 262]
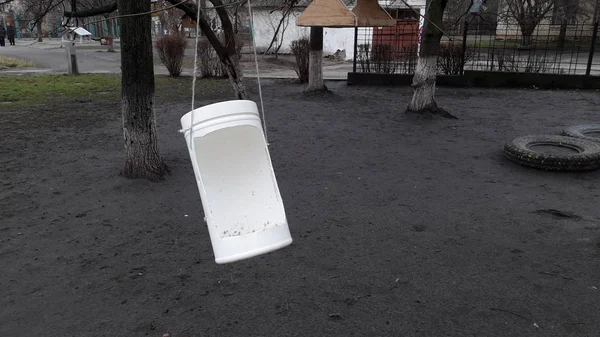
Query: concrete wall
[545, 31]
[265, 24]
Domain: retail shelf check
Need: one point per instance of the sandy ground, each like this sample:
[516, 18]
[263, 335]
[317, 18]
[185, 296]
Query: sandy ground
[402, 226]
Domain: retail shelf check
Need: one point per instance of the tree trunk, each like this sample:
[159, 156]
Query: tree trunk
[235, 76]
[111, 46]
[526, 39]
[423, 99]
[315, 61]
[137, 103]
[39, 30]
[527, 30]
[562, 34]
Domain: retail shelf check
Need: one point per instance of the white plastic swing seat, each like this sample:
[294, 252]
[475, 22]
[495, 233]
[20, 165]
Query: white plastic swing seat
[240, 196]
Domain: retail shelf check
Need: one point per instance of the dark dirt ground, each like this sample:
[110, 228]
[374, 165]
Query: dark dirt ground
[402, 225]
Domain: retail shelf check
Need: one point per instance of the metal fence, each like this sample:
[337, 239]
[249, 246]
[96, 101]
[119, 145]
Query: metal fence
[550, 48]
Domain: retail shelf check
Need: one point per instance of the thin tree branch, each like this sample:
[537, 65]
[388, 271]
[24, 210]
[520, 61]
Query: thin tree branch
[190, 11]
[226, 25]
[42, 14]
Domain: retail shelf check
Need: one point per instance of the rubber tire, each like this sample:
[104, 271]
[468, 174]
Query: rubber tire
[588, 158]
[578, 131]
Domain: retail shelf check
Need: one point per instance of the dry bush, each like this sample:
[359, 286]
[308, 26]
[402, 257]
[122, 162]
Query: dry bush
[450, 58]
[209, 64]
[383, 59]
[171, 49]
[301, 50]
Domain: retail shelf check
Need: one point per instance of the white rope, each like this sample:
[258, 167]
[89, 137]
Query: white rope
[262, 106]
[194, 75]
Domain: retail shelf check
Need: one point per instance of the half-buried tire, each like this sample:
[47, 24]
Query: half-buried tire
[587, 132]
[554, 153]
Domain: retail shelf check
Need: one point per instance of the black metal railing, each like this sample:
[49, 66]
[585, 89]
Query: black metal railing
[549, 48]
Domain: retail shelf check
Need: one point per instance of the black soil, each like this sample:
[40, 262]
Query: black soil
[402, 226]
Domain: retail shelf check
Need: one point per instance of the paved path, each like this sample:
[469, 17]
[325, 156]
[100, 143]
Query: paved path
[49, 57]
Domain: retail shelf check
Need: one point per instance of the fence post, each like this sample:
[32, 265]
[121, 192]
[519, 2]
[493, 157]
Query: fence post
[355, 49]
[464, 48]
[592, 47]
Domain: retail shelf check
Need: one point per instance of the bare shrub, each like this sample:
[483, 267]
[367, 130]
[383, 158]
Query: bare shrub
[301, 50]
[450, 58]
[531, 63]
[363, 57]
[209, 64]
[383, 59]
[407, 60]
[171, 49]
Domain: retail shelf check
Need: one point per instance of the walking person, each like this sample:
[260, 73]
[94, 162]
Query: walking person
[10, 34]
[2, 34]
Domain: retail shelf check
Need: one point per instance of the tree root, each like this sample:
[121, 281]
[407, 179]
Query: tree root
[155, 172]
[322, 90]
[433, 110]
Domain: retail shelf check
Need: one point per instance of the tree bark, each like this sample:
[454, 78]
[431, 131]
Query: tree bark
[235, 76]
[39, 30]
[424, 80]
[92, 12]
[137, 103]
[315, 61]
[527, 30]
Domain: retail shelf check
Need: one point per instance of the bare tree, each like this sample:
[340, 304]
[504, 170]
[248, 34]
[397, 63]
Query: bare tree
[423, 100]
[36, 10]
[528, 14]
[279, 27]
[142, 158]
[566, 12]
[170, 18]
[226, 48]
[91, 4]
[137, 104]
[141, 140]
[286, 9]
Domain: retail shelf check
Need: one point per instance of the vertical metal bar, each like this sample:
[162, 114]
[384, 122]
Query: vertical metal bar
[355, 49]
[592, 47]
[464, 48]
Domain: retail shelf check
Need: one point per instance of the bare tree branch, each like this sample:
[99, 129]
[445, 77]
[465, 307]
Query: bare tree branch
[93, 11]
[190, 10]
